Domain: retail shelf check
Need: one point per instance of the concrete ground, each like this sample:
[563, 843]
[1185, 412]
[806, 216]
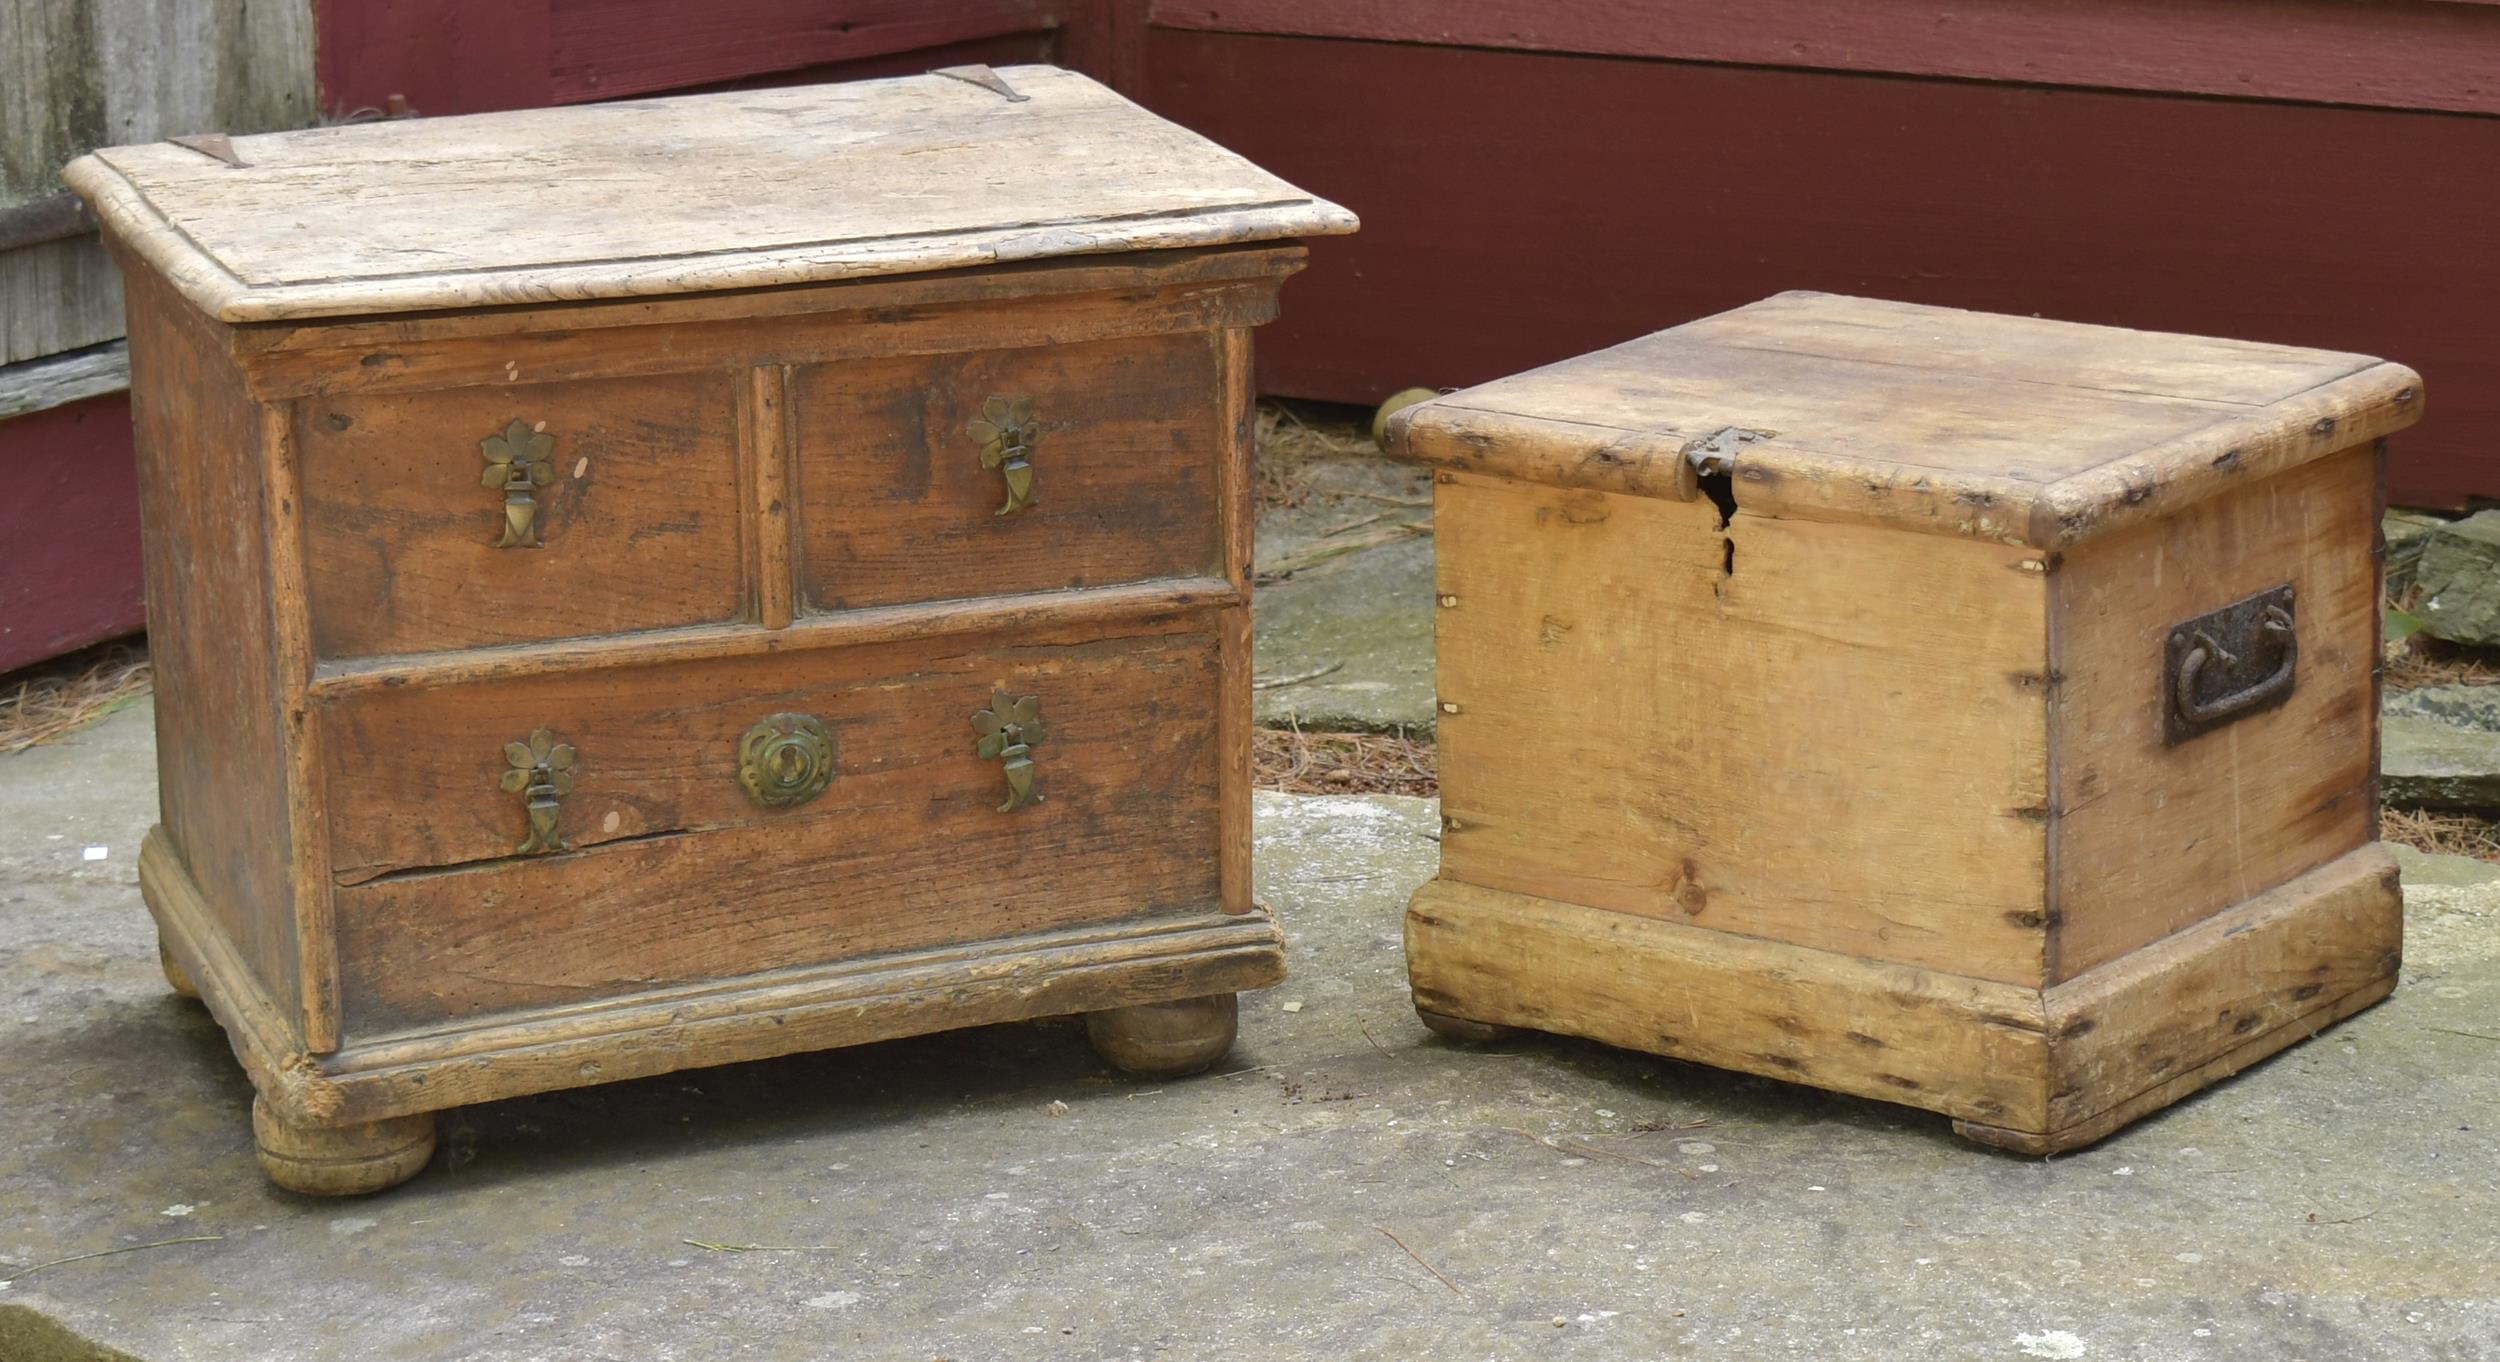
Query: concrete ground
[1345, 1186]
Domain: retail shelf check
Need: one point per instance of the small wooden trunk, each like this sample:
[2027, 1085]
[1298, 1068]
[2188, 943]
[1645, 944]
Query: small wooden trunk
[1972, 712]
[660, 584]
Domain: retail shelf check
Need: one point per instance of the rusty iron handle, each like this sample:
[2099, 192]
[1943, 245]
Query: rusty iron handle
[2204, 713]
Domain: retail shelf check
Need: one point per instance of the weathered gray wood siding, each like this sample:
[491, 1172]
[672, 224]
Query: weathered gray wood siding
[79, 74]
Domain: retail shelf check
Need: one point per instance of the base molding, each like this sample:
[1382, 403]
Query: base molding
[2030, 1069]
[373, 1078]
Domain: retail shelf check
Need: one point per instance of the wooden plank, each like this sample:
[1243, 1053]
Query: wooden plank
[69, 514]
[908, 850]
[899, 508]
[58, 380]
[608, 49]
[2014, 429]
[639, 528]
[2405, 55]
[2122, 209]
[222, 748]
[1972, 1048]
[826, 182]
[1237, 521]
[56, 296]
[1718, 776]
[2152, 837]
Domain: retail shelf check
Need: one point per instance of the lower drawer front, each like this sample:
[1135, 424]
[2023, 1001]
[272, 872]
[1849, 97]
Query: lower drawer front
[670, 871]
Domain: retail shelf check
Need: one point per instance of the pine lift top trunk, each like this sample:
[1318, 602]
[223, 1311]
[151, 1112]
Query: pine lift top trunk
[1973, 712]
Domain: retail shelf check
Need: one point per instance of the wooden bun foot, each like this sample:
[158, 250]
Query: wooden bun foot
[342, 1160]
[1166, 1040]
[1462, 1030]
[176, 978]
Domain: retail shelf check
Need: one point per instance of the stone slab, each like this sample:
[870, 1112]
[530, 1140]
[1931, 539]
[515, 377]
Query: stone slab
[2458, 576]
[2439, 748]
[1351, 635]
[1346, 1185]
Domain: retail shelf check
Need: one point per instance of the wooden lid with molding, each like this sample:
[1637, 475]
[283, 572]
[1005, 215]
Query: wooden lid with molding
[963, 168]
[1823, 407]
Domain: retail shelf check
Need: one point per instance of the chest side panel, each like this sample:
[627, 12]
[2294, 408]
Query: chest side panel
[672, 873]
[478, 516]
[220, 748]
[2152, 836]
[936, 477]
[1834, 737]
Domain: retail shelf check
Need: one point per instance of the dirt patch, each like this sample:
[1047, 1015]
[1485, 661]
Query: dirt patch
[1294, 435]
[2442, 833]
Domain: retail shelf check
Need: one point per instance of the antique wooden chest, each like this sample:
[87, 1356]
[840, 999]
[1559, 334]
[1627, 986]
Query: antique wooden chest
[1967, 711]
[658, 584]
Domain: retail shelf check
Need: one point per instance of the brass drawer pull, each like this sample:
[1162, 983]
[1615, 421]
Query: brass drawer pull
[2231, 643]
[541, 773]
[520, 461]
[1008, 730]
[1006, 430]
[785, 759]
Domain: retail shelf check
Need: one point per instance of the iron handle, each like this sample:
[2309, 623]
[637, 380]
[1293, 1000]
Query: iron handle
[1005, 430]
[2228, 641]
[519, 461]
[540, 770]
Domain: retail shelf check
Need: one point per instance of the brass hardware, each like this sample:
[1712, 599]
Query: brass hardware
[519, 461]
[2228, 664]
[785, 759]
[542, 773]
[1008, 730]
[1006, 430]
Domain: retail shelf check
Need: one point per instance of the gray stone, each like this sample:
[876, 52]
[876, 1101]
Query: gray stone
[1347, 1185]
[2407, 532]
[2439, 748]
[1349, 636]
[2459, 581]
[2424, 868]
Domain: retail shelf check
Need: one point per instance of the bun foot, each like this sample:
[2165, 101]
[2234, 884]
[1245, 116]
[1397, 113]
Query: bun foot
[1166, 1040]
[1462, 1030]
[176, 978]
[342, 1160]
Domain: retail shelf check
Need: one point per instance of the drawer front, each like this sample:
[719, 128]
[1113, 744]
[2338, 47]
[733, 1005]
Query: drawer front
[519, 513]
[942, 477]
[670, 825]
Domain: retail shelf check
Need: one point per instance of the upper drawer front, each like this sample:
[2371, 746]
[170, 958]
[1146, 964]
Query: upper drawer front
[637, 843]
[942, 477]
[518, 513]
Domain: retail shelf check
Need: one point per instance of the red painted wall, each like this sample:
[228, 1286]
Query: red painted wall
[69, 491]
[1519, 207]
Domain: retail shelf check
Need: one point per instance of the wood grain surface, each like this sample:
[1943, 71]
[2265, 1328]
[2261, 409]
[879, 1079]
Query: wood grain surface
[640, 526]
[677, 877]
[1634, 719]
[820, 182]
[895, 505]
[2150, 837]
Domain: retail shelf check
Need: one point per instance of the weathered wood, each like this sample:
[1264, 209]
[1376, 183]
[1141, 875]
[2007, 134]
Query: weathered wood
[1857, 410]
[528, 587]
[930, 174]
[2404, 55]
[221, 751]
[1165, 1040]
[1628, 723]
[899, 507]
[78, 74]
[638, 530]
[58, 380]
[2152, 837]
[1720, 774]
[69, 515]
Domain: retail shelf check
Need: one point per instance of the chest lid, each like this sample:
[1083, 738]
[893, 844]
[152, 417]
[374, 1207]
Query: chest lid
[1825, 407]
[736, 190]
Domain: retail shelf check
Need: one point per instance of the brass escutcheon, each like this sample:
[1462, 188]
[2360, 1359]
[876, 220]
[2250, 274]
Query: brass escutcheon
[520, 461]
[541, 772]
[1006, 430]
[1008, 730]
[785, 759]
